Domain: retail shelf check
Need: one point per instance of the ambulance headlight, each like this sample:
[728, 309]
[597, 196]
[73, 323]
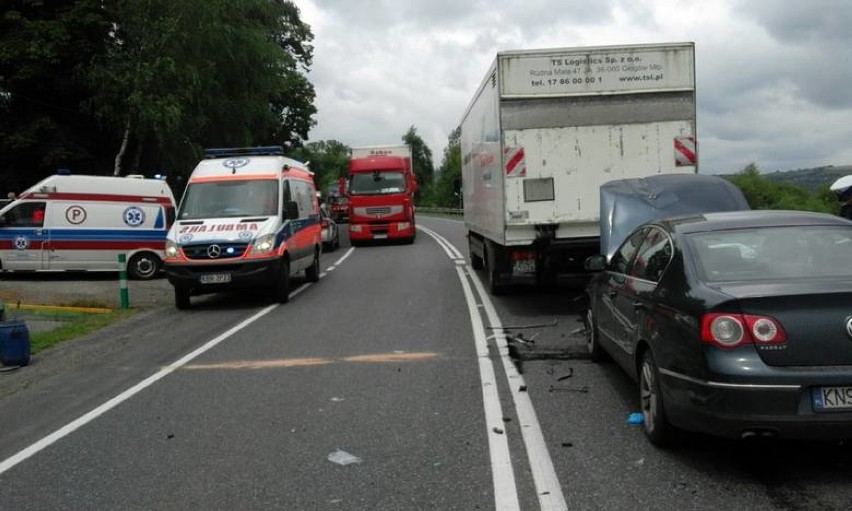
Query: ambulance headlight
[171, 249]
[263, 244]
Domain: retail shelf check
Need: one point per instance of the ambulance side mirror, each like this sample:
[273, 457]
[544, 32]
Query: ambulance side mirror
[291, 210]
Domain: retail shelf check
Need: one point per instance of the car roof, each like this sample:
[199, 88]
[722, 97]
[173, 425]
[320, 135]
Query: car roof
[686, 224]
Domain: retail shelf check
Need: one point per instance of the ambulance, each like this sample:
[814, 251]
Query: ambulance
[79, 222]
[249, 219]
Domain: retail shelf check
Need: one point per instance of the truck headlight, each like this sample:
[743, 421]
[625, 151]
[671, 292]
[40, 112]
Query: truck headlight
[263, 244]
[403, 226]
[171, 249]
[354, 228]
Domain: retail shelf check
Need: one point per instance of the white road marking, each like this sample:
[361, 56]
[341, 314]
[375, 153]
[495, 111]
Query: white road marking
[449, 248]
[81, 421]
[502, 472]
[548, 488]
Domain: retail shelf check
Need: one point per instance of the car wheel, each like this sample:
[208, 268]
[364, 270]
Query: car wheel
[143, 266]
[656, 426]
[182, 298]
[596, 353]
[313, 271]
[282, 287]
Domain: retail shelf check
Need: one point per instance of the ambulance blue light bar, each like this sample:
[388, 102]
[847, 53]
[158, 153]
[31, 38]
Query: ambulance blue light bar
[226, 152]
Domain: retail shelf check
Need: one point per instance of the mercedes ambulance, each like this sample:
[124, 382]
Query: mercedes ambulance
[78, 222]
[248, 219]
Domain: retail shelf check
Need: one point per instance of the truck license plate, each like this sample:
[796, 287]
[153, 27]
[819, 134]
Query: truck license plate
[832, 398]
[380, 236]
[215, 278]
[522, 266]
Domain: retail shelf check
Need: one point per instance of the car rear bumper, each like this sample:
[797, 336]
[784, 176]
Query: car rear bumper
[739, 410]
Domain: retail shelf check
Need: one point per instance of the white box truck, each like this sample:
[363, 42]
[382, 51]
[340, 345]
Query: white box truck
[547, 128]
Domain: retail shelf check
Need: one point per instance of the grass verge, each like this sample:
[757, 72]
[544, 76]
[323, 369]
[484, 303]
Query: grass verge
[76, 326]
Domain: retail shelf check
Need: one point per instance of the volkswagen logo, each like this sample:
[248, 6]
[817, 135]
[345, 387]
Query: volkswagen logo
[214, 251]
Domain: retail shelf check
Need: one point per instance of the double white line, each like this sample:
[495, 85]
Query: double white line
[547, 486]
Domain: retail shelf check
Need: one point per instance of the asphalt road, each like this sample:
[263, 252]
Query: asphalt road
[385, 362]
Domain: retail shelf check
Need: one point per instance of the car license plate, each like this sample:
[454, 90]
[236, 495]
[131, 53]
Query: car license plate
[522, 266]
[832, 398]
[215, 278]
[380, 236]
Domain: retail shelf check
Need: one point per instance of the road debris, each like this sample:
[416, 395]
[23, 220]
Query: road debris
[343, 458]
[635, 418]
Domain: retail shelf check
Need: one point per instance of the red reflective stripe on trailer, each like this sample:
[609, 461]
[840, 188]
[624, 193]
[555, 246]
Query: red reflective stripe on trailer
[515, 165]
[684, 151]
[102, 197]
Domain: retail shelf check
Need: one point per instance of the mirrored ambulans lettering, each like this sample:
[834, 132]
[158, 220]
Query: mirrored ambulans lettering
[194, 229]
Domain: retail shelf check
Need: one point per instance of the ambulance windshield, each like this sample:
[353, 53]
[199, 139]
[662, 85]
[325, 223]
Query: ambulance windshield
[223, 199]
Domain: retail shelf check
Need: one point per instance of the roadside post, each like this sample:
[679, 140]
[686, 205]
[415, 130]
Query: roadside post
[122, 281]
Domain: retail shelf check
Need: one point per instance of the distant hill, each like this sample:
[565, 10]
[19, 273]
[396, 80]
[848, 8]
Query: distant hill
[811, 179]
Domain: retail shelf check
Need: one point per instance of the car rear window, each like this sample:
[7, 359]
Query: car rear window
[772, 253]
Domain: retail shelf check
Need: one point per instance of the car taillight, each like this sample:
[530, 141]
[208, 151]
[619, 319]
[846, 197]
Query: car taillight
[727, 330]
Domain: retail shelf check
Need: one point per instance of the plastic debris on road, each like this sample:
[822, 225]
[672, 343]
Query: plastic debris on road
[635, 418]
[343, 458]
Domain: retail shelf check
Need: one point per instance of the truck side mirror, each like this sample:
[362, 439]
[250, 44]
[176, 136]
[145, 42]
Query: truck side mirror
[291, 210]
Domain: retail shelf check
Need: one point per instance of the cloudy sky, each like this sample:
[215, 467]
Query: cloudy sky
[773, 77]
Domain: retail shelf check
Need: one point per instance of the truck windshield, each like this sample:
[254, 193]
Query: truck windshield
[220, 199]
[376, 183]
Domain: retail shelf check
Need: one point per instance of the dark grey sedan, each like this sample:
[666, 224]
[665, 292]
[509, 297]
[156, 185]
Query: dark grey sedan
[736, 324]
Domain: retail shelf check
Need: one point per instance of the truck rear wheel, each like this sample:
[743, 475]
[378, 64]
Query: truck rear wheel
[476, 261]
[492, 272]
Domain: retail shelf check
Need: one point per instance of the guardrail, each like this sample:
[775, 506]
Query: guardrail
[440, 211]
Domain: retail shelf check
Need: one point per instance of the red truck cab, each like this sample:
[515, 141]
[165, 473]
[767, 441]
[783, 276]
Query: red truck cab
[381, 194]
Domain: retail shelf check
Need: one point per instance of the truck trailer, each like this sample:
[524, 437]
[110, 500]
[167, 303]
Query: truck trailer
[546, 128]
[381, 191]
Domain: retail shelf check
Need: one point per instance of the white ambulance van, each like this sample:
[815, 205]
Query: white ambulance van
[77, 222]
[248, 219]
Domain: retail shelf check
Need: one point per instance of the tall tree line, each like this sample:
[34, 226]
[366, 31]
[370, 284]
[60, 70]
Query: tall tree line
[142, 86]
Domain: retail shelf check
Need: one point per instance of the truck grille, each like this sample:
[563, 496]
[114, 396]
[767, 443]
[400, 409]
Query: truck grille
[384, 210]
[378, 210]
[216, 251]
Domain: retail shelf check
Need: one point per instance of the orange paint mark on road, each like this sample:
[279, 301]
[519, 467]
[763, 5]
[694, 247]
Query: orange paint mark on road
[374, 358]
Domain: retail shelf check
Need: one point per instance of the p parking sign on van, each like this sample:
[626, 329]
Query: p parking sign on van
[75, 215]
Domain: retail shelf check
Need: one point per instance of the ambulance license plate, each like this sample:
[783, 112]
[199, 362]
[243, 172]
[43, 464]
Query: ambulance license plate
[523, 266]
[832, 398]
[215, 278]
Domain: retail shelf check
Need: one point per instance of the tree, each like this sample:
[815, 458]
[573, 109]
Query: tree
[328, 159]
[45, 51]
[763, 193]
[421, 161]
[179, 76]
[448, 186]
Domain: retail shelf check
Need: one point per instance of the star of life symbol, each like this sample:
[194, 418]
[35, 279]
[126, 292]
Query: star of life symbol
[21, 243]
[235, 163]
[134, 216]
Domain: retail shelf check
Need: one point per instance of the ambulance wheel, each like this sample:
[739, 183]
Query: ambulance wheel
[282, 287]
[312, 272]
[181, 298]
[143, 266]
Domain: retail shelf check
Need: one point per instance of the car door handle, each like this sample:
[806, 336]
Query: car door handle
[638, 306]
